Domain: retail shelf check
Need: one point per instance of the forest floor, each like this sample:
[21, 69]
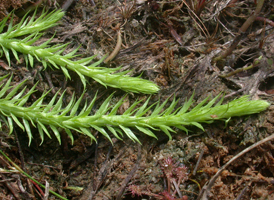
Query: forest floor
[175, 45]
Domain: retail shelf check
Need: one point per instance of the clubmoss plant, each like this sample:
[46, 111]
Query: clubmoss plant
[52, 55]
[105, 120]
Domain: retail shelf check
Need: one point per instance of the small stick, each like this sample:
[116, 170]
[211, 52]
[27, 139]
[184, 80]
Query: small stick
[241, 31]
[46, 195]
[50, 82]
[254, 64]
[242, 193]
[10, 187]
[177, 188]
[67, 4]
[205, 191]
[116, 49]
[198, 162]
[271, 23]
[21, 154]
[131, 174]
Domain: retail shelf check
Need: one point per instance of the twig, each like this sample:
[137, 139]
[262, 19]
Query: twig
[242, 193]
[10, 187]
[225, 27]
[206, 33]
[242, 30]
[271, 23]
[116, 49]
[198, 162]
[23, 161]
[46, 196]
[27, 175]
[20, 150]
[82, 158]
[92, 2]
[38, 188]
[91, 190]
[67, 4]
[254, 64]
[130, 175]
[48, 77]
[177, 188]
[95, 166]
[206, 189]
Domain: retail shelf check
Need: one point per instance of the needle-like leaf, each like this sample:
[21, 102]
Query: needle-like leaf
[52, 55]
[105, 120]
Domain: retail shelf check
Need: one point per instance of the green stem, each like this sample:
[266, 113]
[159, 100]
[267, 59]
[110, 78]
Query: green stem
[27, 175]
[204, 114]
[53, 55]
[102, 75]
[45, 21]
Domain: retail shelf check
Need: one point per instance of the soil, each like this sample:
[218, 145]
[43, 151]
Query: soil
[174, 44]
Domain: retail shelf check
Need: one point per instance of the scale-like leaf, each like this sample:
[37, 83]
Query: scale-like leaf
[146, 131]
[170, 109]
[114, 132]
[88, 133]
[129, 133]
[76, 106]
[14, 90]
[116, 107]
[27, 127]
[56, 133]
[17, 121]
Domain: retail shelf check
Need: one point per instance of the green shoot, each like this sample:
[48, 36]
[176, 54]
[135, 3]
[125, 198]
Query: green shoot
[105, 120]
[53, 55]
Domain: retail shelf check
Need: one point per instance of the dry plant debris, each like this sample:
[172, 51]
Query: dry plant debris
[172, 43]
